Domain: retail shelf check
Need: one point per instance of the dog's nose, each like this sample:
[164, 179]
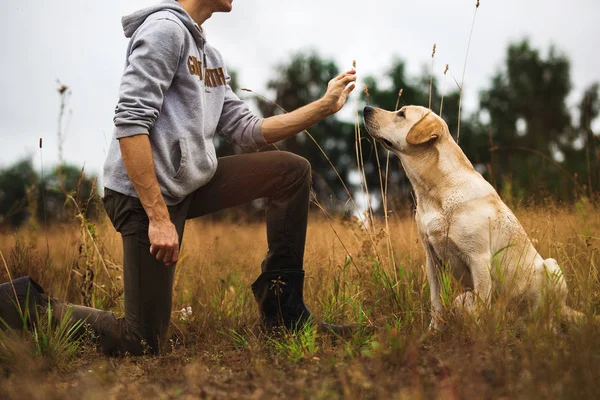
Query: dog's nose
[367, 111]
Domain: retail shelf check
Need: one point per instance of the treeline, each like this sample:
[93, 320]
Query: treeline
[524, 137]
[62, 194]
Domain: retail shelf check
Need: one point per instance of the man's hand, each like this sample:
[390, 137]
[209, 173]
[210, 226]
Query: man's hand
[139, 163]
[337, 92]
[283, 126]
[164, 242]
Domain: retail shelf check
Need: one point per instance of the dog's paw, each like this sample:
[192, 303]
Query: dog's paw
[435, 324]
[465, 302]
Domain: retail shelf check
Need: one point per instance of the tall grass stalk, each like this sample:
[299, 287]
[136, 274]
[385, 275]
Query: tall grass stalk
[64, 92]
[443, 90]
[361, 169]
[58, 341]
[86, 232]
[10, 279]
[383, 187]
[329, 218]
[462, 84]
[384, 198]
[44, 199]
[431, 75]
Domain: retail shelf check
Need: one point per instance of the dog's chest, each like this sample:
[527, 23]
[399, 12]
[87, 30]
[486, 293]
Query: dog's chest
[434, 225]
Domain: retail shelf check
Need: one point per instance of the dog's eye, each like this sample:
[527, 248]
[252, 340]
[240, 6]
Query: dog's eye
[388, 143]
[401, 114]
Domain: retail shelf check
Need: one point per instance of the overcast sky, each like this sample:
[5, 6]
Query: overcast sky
[81, 43]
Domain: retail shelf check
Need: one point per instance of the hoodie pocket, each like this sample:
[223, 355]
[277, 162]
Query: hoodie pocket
[180, 172]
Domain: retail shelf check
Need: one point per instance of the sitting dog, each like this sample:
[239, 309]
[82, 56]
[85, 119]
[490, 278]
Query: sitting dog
[462, 221]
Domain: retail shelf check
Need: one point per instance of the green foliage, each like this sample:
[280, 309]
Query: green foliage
[57, 341]
[66, 180]
[297, 345]
[26, 198]
[529, 117]
[17, 182]
[523, 138]
[523, 125]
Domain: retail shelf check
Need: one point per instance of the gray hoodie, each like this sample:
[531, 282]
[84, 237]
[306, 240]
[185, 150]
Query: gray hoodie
[175, 89]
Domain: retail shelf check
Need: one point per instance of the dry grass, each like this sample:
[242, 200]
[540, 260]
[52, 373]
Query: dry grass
[218, 351]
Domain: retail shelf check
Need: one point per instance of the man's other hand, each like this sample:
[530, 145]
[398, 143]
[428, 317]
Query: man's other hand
[338, 90]
[164, 242]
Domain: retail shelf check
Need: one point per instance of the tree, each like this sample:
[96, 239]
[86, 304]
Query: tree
[300, 81]
[529, 120]
[584, 140]
[67, 181]
[17, 184]
[25, 198]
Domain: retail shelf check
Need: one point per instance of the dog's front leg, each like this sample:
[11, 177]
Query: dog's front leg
[482, 285]
[433, 277]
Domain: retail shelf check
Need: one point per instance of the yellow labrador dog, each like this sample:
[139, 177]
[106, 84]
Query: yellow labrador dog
[462, 221]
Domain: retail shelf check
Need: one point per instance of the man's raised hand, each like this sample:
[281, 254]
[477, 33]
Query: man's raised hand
[338, 90]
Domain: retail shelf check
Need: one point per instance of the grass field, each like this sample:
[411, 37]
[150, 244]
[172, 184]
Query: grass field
[217, 350]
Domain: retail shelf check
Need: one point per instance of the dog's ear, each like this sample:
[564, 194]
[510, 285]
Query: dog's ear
[426, 129]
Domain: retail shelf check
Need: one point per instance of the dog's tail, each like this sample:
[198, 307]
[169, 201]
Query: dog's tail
[555, 278]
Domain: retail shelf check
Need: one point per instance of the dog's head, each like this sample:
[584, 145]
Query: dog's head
[411, 128]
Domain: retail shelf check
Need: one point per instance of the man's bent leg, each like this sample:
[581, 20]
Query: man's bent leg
[284, 179]
[281, 177]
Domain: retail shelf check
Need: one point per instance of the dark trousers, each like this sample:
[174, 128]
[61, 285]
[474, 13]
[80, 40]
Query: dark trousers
[283, 178]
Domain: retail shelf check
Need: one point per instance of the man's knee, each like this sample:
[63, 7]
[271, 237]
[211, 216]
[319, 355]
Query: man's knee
[295, 167]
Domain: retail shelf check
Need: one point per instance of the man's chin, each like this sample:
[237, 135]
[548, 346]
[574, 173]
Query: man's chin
[227, 7]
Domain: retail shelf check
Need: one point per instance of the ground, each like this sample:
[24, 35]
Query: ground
[368, 275]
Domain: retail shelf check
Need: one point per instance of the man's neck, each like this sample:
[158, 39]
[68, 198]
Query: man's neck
[199, 11]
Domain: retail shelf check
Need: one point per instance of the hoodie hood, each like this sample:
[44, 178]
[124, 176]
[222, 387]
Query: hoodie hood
[133, 21]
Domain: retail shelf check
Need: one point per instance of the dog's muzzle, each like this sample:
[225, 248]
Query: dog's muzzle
[371, 125]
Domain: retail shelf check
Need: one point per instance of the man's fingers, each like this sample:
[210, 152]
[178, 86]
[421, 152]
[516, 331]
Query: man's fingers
[346, 80]
[350, 72]
[160, 254]
[349, 89]
[174, 256]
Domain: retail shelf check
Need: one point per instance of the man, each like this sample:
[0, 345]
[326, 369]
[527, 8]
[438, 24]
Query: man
[161, 169]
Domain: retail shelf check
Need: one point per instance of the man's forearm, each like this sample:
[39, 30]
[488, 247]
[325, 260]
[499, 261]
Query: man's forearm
[283, 126]
[139, 163]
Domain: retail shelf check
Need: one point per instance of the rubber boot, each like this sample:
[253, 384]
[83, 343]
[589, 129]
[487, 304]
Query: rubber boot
[22, 311]
[281, 303]
[31, 302]
[114, 339]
